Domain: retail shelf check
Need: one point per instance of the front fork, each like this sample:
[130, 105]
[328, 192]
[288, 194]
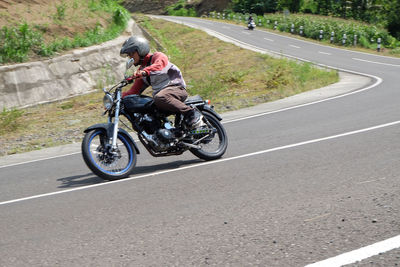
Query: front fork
[116, 121]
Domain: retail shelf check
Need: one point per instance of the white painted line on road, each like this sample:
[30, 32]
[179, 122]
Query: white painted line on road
[246, 33]
[372, 181]
[360, 254]
[374, 62]
[207, 163]
[267, 39]
[324, 53]
[226, 27]
[36, 160]
[205, 22]
[295, 46]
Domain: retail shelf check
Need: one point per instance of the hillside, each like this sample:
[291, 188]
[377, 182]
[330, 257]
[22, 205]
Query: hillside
[158, 7]
[53, 18]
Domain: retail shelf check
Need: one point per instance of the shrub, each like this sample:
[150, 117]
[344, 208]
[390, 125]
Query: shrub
[8, 120]
[17, 42]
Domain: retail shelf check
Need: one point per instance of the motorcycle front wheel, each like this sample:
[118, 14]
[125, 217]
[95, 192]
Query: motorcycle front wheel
[107, 163]
[214, 145]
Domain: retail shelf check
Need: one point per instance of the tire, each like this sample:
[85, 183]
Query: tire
[102, 164]
[220, 138]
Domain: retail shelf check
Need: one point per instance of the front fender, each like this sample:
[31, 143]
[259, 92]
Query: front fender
[109, 129]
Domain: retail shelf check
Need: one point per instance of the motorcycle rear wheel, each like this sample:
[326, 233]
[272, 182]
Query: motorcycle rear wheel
[105, 164]
[214, 147]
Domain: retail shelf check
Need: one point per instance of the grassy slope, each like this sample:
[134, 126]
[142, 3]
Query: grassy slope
[230, 76]
[36, 29]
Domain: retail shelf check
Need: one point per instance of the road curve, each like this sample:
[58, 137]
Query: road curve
[313, 183]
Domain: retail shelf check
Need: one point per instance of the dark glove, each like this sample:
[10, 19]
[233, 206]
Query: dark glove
[140, 74]
[129, 80]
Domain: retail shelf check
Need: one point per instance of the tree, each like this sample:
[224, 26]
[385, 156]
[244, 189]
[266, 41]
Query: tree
[255, 6]
[292, 5]
[324, 7]
[394, 19]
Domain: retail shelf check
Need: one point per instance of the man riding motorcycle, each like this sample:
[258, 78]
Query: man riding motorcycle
[169, 87]
[251, 23]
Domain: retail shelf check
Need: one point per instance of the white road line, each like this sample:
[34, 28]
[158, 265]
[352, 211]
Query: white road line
[324, 53]
[246, 33]
[36, 160]
[208, 162]
[205, 22]
[374, 62]
[295, 46]
[360, 254]
[225, 27]
[270, 40]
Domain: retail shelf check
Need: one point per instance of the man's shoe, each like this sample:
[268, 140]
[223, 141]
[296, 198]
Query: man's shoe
[193, 118]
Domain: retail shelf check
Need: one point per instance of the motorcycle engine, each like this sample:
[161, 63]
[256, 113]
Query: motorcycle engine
[160, 139]
[149, 124]
[165, 135]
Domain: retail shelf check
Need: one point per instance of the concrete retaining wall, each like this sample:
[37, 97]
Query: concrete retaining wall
[75, 73]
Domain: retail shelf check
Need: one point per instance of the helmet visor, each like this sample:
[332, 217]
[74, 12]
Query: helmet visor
[123, 55]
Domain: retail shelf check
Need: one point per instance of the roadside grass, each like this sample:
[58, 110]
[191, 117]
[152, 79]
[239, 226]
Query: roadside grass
[50, 124]
[231, 77]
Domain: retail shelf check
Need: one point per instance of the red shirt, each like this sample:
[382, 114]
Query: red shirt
[160, 74]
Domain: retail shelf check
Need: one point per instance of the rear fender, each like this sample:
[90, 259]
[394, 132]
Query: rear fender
[209, 109]
[109, 129]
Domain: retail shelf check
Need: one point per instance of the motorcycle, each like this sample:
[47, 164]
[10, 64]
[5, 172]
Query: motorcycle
[251, 25]
[110, 152]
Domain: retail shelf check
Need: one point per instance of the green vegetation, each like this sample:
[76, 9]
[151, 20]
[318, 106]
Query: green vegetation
[9, 120]
[350, 17]
[19, 43]
[382, 12]
[366, 35]
[180, 9]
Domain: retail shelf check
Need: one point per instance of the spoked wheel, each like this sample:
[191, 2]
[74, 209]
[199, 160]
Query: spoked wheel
[103, 160]
[213, 139]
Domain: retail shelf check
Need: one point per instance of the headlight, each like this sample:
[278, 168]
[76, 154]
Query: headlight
[108, 101]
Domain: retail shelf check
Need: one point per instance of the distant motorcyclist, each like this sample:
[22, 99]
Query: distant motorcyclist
[169, 88]
[251, 24]
[250, 19]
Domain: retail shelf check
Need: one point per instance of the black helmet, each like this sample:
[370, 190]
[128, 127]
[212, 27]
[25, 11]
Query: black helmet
[135, 43]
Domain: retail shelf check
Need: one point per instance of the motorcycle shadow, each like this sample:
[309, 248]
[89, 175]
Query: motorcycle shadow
[143, 170]
[90, 178]
[79, 180]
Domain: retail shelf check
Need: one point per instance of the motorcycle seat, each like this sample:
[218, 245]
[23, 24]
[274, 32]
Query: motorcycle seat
[193, 100]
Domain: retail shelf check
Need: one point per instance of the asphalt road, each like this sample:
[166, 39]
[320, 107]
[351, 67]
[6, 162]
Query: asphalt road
[297, 186]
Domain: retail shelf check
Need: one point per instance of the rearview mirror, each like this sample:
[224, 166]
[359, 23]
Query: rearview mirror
[129, 63]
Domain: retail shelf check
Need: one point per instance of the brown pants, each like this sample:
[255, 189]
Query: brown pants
[171, 99]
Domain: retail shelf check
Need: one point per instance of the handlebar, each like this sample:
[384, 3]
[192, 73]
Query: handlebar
[123, 83]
